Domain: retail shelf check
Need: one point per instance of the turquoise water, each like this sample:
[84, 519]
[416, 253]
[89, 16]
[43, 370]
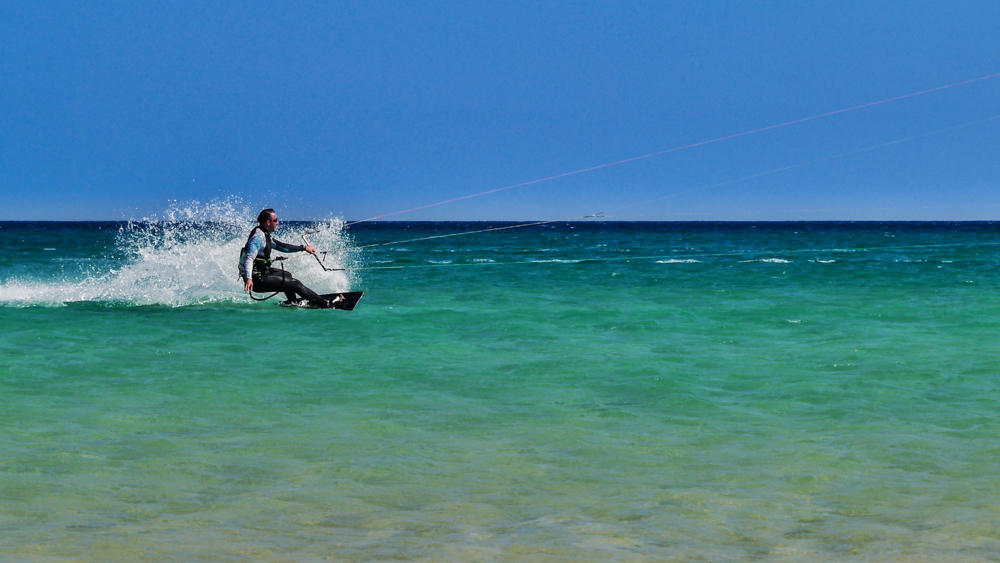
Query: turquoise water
[566, 392]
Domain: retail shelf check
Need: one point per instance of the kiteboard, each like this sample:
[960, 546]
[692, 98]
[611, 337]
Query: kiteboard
[343, 301]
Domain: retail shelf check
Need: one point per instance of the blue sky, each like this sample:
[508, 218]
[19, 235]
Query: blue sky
[111, 110]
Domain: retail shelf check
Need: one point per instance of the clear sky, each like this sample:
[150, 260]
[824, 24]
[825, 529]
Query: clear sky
[111, 110]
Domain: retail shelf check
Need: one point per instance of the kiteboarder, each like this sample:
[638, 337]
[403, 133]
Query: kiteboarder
[255, 263]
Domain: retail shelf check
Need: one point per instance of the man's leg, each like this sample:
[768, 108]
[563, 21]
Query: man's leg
[290, 286]
[274, 281]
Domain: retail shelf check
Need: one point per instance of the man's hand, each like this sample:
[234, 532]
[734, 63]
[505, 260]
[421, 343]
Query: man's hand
[310, 249]
[248, 285]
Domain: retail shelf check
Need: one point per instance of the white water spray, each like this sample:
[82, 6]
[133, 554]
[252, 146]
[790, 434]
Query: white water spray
[189, 257]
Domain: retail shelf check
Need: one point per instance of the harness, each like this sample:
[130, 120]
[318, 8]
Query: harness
[262, 262]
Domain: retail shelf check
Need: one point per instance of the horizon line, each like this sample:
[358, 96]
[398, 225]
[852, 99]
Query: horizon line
[599, 219]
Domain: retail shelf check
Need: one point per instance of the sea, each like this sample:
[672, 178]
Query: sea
[565, 391]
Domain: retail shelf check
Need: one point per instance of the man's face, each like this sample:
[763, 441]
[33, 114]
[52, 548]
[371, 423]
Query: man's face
[271, 224]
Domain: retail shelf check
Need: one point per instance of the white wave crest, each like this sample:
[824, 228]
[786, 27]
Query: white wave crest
[770, 261]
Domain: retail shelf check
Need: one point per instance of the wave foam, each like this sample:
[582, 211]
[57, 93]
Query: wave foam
[769, 261]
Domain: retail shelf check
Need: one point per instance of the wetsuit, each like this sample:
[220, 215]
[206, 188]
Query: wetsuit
[256, 258]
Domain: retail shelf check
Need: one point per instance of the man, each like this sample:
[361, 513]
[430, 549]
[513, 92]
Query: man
[255, 262]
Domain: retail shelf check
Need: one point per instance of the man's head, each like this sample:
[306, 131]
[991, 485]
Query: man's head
[268, 220]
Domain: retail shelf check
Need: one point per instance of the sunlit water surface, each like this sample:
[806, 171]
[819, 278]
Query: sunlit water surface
[566, 392]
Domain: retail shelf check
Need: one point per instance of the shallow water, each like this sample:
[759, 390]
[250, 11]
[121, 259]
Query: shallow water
[565, 392]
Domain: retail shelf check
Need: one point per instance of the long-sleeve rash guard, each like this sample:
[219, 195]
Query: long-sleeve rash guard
[257, 244]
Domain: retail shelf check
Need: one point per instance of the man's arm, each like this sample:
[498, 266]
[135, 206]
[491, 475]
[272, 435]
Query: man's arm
[253, 249]
[285, 247]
